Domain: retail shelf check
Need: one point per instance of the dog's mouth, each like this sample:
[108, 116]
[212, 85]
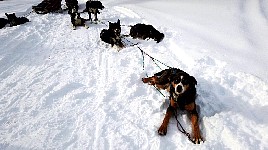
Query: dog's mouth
[180, 88]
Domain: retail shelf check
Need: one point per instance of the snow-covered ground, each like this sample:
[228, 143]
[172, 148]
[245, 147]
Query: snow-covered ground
[65, 89]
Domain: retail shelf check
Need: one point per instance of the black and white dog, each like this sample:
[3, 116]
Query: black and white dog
[77, 20]
[112, 35]
[92, 7]
[143, 31]
[3, 22]
[14, 20]
[72, 5]
[182, 90]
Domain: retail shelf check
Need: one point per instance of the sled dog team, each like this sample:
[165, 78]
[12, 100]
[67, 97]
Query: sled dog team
[112, 35]
[179, 84]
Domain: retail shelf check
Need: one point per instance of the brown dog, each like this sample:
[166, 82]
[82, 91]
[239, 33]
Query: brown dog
[181, 87]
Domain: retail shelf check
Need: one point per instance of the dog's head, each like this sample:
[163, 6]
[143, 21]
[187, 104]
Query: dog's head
[94, 4]
[72, 10]
[159, 37]
[11, 18]
[182, 82]
[75, 15]
[115, 27]
[72, 6]
[156, 35]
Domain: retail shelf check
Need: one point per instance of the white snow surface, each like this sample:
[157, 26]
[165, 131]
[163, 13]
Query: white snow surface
[66, 89]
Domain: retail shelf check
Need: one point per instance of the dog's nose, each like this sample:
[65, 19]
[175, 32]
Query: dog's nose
[179, 89]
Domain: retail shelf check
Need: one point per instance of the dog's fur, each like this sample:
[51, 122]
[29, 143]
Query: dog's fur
[14, 20]
[3, 22]
[143, 31]
[112, 35]
[92, 7]
[72, 5]
[77, 20]
[181, 87]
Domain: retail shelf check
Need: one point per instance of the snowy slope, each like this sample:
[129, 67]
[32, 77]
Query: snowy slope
[65, 89]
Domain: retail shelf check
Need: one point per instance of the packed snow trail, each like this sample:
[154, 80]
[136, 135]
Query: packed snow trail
[66, 89]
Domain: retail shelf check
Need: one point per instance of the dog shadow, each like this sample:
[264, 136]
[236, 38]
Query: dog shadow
[220, 99]
[213, 99]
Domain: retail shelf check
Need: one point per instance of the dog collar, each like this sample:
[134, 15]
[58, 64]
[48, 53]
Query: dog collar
[175, 96]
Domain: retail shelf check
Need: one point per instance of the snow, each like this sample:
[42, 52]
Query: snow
[66, 89]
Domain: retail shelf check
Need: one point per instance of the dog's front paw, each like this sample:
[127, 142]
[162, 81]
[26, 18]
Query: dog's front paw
[197, 139]
[162, 130]
[148, 80]
[145, 80]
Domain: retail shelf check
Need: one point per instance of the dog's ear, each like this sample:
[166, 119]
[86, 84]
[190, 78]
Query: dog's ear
[171, 78]
[118, 21]
[193, 80]
[6, 14]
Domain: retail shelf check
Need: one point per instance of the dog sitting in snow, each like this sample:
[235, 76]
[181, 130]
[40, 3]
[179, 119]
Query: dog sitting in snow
[92, 7]
[143, 31]
[14, 20]
[112, 35]
[181, 87]
[3, 22]
[77, 20]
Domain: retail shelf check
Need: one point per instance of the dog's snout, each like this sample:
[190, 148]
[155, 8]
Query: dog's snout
[179, 89]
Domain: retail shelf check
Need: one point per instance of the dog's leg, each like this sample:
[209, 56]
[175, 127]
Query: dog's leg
[121, 44]
[74, 27]
[195, 125]
[163, 128]
[89, 16]
[150, 80]
[196, 131]
[95, 15]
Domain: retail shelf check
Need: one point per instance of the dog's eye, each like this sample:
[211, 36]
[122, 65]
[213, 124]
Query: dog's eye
[177, 80]
[184, 81]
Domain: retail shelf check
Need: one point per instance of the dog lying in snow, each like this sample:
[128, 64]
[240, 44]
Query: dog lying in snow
[92, 7]
[3, 22]
[143, 31]
[77, 20]
[112, 35]
[181, 87]
[47, 6]
[14, 20]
